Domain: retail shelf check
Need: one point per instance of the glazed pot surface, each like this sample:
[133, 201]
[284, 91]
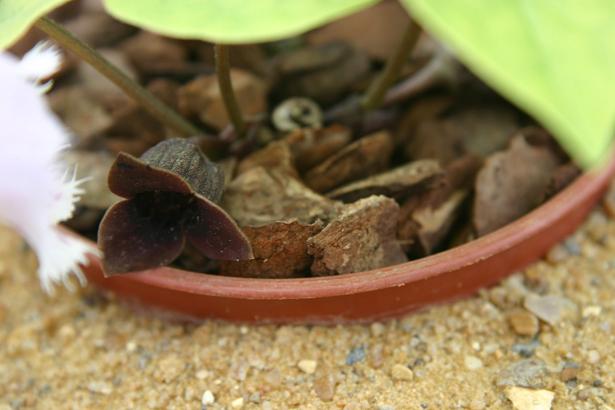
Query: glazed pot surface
[365, 296]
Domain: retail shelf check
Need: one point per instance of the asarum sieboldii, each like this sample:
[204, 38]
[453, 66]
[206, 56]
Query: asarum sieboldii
[171, 194]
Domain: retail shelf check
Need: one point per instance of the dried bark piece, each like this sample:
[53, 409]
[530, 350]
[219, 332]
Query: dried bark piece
[374, 30]
[82, 114]
[361, 238]
[425, 219]
[261, 196]
[322, 73]
[394, 183]
[364, 157]
[201, 98]
[150, 53]
[100, 88]
[475, 130]
[510, 184]
[274, 155]
[98, 29]
[434, 223]
[280, 251]
[424, 109]
[93, 167]
[561, 178]
[311, 147]
[133, 129]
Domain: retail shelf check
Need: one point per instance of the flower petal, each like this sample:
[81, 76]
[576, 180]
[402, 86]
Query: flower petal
[130, 176]
[59, 255]
[216, 234]
[131, 242]
[41, 62]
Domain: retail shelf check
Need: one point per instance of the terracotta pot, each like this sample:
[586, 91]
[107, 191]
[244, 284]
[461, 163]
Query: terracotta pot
[365, 296]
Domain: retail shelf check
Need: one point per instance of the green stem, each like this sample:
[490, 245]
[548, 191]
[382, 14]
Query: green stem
[153, 105]
[375, 93]
[223, 72]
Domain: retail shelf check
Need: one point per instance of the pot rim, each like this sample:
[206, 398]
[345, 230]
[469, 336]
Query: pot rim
[393, 276]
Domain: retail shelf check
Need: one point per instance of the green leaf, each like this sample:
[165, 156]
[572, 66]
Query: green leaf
[16, 17]
[232, 21]
[554, 58]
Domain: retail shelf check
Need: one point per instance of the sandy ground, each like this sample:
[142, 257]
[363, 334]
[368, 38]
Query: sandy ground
[84, 350]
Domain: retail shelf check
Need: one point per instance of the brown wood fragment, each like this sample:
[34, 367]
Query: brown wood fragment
[276, 154]
[561, 178]
[511, 183]
[322, 73]
[360, 239]
[425, 219]
[280, 251]
[395, 183]
[261, 196]
[364, 157]
[311, 147]
[201, 98]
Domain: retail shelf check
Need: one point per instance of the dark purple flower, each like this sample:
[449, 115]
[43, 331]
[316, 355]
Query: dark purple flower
[170, 199]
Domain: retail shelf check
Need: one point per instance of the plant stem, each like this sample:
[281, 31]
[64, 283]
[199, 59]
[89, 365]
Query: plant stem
[152, 105]
[375, 93]
[441, 69]
[223, 72]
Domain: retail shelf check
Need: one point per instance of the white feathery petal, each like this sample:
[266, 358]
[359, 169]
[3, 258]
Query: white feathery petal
[42, 61]
[35, 193]
[59, 255]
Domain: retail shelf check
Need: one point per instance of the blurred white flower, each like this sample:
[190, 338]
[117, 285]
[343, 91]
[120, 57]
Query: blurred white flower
[36, 190]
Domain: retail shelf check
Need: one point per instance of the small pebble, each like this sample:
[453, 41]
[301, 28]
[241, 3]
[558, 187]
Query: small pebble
[569, 372]
[131, 346]
[237, 403]
[307, 366]
[401, 372]
[377, 329]
[472, 362]
[585, 393]
[526, 349]
[525, 373]
[593, 356]
[550, 308]
[592, 311]
[529, 399]
[202, 374]
[207, 398]
[100, 387]
[572, 246]
[524, 323]
[355, 355]
[324, 386]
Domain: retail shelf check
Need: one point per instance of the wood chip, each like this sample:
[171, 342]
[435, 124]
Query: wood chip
[322, 73]
[395, 183]
[529, 399]
[260, 196]
[510, 184]
[280, 251]
[360, 239]
[366, 156]
[201, 98]
[311, 147]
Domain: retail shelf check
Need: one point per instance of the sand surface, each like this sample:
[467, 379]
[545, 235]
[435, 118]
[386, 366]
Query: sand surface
[85, 350]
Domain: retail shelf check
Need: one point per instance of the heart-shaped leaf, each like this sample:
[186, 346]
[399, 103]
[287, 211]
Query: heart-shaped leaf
[16, 17]
[232, 21]
[554, 58]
